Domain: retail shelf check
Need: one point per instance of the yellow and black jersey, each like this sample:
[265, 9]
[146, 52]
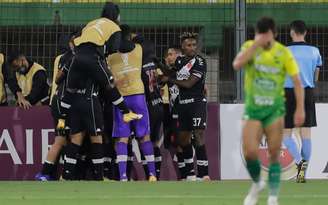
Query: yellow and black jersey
[97, 32]
[53, 84]
[126, 69]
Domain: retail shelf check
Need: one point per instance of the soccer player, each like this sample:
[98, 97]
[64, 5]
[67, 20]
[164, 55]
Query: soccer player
[309, 61]
[149, 75]
[61, 67]
[31, 78]
[87, 74]
[266, 63]
[171, 117]
[192, 108]
[8, 77]
[126, 67]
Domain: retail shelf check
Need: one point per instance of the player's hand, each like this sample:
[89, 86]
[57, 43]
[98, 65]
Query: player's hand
[299, 117]
[263, 39]
[127, 117]
[163, 78]
[22, 102]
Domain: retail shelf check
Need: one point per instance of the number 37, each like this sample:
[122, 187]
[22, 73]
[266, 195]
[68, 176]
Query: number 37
[196, 121]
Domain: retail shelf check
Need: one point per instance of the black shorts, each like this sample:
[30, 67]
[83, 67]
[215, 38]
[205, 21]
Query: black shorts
[88, 65]
[86, 115]
[57, 113]
[192, 116]
[156, 115]
[309, 104]
[170, 125]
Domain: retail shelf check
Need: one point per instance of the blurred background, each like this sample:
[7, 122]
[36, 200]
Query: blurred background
[35, 26]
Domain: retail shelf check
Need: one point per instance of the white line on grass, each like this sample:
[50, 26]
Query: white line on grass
[316, 196]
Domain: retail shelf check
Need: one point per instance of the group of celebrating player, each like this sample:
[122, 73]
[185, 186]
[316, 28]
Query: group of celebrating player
[107, 90]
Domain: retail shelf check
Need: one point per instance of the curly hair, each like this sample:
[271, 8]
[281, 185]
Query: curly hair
[189, 35]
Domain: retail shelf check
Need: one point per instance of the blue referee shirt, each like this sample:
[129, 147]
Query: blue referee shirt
[308, 59]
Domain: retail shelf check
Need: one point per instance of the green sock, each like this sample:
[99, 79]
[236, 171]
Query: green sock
[254, 169]
[274, 178]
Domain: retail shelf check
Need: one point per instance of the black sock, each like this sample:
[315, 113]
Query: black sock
[70, 160]
[189, 159]
[108, 153]
[129, 163]
[48, 168]
[202, 162]
[181, 165]
[97, 158]
[144, 165]
[158, 161]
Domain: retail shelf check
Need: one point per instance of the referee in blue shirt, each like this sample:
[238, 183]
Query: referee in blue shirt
[309, 61]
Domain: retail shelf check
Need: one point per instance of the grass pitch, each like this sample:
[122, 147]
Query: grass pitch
[161, 193]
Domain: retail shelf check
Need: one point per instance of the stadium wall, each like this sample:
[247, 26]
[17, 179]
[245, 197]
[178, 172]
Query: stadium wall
[232, 162]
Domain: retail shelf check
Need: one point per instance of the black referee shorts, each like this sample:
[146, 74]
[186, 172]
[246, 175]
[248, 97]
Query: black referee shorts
[86, 115]
[309, 104]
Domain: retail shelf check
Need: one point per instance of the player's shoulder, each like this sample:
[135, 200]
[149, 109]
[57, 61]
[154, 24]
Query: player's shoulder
[248, 43]
[280, 49]
[200, 60]
[179, 60]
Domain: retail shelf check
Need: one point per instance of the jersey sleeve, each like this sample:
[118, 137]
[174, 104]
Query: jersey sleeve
[246, 45]
[290, 63]
[199, 68]
[178, 63]
[319, 59]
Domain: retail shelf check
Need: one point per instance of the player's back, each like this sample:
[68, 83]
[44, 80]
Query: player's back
[308, 59]
[126, 68]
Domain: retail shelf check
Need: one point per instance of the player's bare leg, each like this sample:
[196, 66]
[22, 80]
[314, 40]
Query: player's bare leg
[274, 133]
[52, 156]
[252, 134]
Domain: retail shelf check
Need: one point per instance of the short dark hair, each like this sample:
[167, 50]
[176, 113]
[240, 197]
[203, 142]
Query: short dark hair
[125, 31]
[13, 55]
[189, 35]
[265, 24]
[298, 26]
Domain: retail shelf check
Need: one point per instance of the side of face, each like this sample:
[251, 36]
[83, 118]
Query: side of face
[189, 46]
[171, 56]
[19, 64]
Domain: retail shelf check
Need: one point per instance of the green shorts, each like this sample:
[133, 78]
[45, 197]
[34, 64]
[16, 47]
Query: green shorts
[266, 115]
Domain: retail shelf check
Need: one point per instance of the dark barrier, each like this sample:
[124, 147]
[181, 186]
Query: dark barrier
[25, 136]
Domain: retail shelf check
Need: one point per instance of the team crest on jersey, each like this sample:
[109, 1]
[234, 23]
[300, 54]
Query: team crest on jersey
[184, 73]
